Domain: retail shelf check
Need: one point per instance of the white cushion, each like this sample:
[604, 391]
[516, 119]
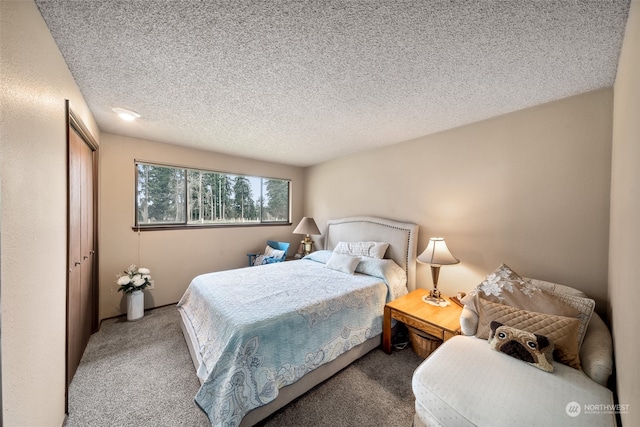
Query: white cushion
[468, 322]
[344, 263]
[596, 353]
[555, 287]
[465, 383]
[273, 253]
[368, 249]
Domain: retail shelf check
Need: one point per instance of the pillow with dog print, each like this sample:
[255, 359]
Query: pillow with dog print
[534, 349]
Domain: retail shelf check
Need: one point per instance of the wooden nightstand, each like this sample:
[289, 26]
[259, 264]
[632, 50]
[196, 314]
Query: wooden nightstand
[439, 322]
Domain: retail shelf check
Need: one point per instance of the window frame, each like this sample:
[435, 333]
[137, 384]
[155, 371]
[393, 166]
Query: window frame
[185, 224]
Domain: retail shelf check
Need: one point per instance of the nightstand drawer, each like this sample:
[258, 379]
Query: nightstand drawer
[421, 325]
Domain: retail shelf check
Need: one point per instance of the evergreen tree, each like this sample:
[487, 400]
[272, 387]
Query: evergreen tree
[277, 199]
[243, 204]
[160, 194]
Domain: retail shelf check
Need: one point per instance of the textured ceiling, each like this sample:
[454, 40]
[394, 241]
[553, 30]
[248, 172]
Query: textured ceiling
[301, 82]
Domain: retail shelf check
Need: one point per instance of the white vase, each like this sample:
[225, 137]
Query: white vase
[135, 305]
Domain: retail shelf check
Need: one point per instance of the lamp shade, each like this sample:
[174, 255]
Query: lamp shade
[437, 253]
[307, 226]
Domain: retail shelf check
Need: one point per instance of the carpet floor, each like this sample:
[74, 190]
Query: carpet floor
[140, 374]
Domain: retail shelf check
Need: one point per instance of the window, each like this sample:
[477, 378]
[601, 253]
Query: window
[169, 196]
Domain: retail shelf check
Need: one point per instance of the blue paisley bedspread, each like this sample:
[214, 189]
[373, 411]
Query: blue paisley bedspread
[262, 328]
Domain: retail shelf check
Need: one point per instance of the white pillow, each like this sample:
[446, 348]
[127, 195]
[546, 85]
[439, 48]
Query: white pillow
[550, 286]
[273, 253]
[370, 249]
[342, 262]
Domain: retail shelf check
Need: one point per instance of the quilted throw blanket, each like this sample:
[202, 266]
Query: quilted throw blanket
[261, 328]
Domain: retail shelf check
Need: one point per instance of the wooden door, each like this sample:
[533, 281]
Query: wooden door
[75, 336]
[86, 242]
[82, 296]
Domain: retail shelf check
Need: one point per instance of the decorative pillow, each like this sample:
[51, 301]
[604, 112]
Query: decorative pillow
[504, 286]
[273, 253]
[585, 307]
[571, 296]
[534, 349]
[370, 249]
[321, 256]
[259, 259]
[562, 331]
[344, 263]
[555, 287]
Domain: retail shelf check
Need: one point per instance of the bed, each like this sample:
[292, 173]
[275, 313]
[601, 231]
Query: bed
[261, 336]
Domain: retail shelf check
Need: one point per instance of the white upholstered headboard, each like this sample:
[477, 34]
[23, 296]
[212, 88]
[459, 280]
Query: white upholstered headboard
[401, 236]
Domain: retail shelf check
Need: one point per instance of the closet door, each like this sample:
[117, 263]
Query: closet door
[82, 297]
[76, 341]
[87, 249]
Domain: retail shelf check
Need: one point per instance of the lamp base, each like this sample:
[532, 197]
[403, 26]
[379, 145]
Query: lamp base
[438, 302]
[435, 298]
[307, 245]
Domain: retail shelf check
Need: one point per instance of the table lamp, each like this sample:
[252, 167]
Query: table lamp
[436, 254]
[307, 226]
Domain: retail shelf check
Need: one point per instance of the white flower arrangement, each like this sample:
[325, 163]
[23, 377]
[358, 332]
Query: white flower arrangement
[134, 279]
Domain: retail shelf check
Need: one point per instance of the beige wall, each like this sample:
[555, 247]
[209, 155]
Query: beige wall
[174, 256]
[624, 268]
[35, 82]
[530, 189]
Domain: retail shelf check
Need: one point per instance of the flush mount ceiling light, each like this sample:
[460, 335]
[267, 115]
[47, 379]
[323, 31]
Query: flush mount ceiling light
[125, 114]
